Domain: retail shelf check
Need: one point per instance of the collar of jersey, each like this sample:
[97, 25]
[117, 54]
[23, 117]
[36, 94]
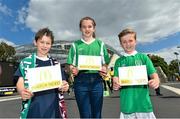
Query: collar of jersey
[87, 42]
[132, 54]
[43, 58]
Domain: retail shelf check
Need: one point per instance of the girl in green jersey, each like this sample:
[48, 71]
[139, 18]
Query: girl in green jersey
[88, 86]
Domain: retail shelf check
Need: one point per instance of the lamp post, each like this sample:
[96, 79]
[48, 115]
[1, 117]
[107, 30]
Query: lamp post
[177, 61]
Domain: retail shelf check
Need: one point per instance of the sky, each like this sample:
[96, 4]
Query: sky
[157, 22]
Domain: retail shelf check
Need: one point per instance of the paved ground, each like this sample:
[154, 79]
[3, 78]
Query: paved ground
[166, 106]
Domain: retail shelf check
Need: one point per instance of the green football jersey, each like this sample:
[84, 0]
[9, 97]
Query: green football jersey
[135, 98]
[95, 48]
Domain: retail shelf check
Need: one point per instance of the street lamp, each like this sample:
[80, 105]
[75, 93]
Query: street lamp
[177, 61]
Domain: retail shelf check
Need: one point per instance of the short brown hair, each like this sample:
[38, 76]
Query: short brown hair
[125, 32]
[46, 32]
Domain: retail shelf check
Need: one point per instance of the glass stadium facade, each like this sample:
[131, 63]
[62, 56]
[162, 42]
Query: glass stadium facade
[59, 50]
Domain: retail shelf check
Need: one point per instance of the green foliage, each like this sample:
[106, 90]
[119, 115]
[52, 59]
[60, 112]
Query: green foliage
[7, 52]
[173, 66]
[159, 61]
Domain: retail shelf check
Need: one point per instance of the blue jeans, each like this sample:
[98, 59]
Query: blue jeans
[88, 90]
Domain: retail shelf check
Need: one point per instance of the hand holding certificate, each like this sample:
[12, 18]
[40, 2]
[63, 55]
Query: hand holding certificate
[133, 75]
[44, 78]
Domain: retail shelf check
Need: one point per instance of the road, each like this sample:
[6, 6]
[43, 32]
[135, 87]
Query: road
[166, 106]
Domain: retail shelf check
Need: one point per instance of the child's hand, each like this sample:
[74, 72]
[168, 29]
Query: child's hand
[154, 83]
[65, 86]
[74, 70]
[116, 83]
[103, 71]
[25, 94]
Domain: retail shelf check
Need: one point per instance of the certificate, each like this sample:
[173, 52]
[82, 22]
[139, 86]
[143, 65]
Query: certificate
[89, 62]
[44, 78]
[133, 75]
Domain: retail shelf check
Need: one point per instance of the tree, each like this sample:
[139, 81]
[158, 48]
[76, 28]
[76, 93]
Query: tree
[7, 52]
[173, 66]
[159, 61]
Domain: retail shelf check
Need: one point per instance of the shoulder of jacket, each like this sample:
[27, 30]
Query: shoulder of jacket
[142, 54]
[77, 41]
[120, 59]
[27, 59]
[98, 40]
[55, 61]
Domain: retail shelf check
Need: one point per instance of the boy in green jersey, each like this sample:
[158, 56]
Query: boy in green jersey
[135, 100]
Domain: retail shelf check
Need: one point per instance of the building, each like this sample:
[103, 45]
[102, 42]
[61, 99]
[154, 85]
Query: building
[59, 50]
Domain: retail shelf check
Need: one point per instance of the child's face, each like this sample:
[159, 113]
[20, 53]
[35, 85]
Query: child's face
[128, 43]
[43, 46]
[87, 28]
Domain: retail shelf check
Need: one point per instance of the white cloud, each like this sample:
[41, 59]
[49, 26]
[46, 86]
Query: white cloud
[66, 35]
[151, 19]
[168, 53]
[22, 14]
[5, 10]
[7, 41]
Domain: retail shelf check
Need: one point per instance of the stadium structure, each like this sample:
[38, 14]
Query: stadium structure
[59, 50]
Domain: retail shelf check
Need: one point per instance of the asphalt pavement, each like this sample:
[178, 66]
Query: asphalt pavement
[166, 106]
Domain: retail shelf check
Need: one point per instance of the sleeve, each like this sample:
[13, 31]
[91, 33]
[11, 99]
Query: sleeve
[71, 55]
[16, 76]
[150, 67]
[106, 55]
[63, 73]
[116, 68]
